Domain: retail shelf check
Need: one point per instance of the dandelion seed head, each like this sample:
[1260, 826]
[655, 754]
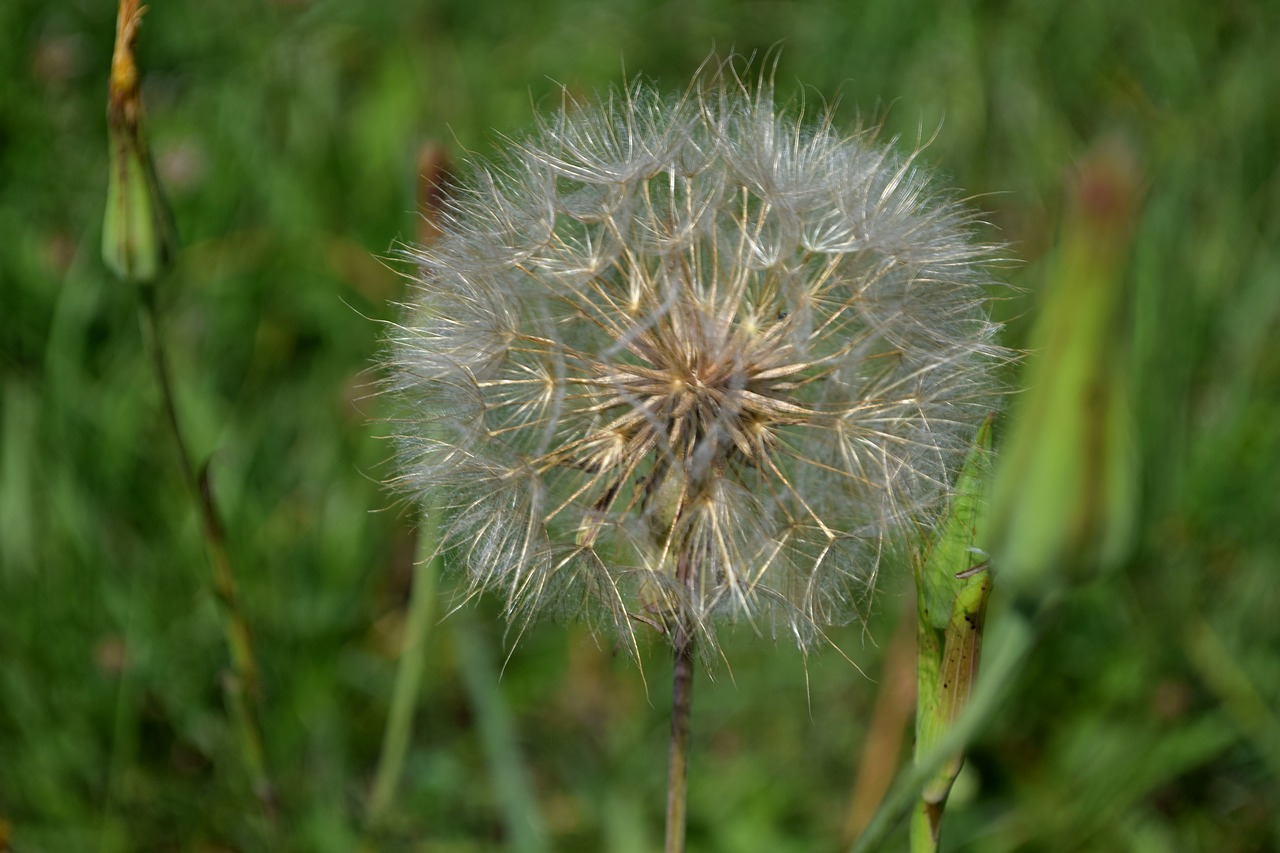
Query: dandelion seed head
[679, 361]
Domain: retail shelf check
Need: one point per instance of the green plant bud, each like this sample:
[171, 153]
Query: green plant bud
[1065, 489]
[952, 586]
[138, 236]
[945, 571]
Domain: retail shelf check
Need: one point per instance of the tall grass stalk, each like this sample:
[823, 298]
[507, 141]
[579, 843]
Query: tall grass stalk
[139, 242]
[242, 685]
[432, 189]
[507, 769]
[408, 684]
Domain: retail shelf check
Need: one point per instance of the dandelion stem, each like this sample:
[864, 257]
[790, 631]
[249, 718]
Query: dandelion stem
[681, 699]
[677, 784]
[241, 685]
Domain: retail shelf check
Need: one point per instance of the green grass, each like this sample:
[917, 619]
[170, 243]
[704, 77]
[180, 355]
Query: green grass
[287, 134]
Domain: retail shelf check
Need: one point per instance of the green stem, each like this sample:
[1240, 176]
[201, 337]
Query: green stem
[241, 685]
[124, 737]
[498, 733]
[946, 679]
[1011, 645]
[1240, 697]
[404, 696]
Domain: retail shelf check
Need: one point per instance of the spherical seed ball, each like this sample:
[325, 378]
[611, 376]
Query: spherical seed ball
[678, 360]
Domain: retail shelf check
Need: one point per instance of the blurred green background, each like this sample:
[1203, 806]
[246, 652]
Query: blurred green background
[287, 134]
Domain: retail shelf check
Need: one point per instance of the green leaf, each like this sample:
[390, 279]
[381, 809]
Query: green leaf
[1066, 486]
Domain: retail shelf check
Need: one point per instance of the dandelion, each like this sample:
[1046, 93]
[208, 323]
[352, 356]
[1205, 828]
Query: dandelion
[680, 362]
